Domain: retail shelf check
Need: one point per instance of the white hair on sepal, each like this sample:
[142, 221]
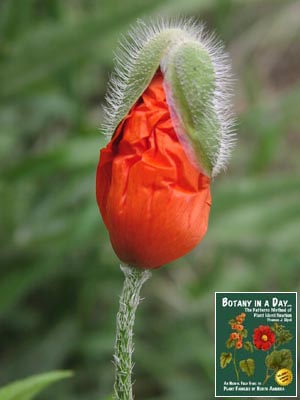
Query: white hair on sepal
[126, 55]
[222, 101]
[222, 97]
[121, 87]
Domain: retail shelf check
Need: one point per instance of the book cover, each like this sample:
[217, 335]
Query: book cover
[256, 344]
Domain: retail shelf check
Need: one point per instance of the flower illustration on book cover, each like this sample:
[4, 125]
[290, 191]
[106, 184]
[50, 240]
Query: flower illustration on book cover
[237, 341]
[263, 337]
[266, 338]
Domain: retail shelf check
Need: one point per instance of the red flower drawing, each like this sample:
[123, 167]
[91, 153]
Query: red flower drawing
[263, 337]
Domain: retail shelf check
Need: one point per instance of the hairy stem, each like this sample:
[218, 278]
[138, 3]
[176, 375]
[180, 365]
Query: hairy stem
[129, 300]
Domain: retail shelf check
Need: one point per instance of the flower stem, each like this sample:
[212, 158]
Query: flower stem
[129, 300]
[267, 377]
[235, 366]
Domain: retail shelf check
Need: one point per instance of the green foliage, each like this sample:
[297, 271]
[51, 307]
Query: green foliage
[279, 359]
[282, 335]
[28, 388]
[244, 333]
[248, 346]
[225, 359]
[230, 343]
[59, 279]
[247, 366]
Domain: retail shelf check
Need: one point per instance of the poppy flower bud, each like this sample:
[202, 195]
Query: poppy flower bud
[167, 118]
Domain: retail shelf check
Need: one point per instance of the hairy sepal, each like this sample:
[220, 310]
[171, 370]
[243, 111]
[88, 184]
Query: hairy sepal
[190, 85]
[197, 84]
[144, 65]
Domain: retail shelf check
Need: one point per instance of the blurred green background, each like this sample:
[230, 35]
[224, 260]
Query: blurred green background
[60, 279]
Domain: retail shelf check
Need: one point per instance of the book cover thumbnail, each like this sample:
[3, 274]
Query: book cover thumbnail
[256, 344]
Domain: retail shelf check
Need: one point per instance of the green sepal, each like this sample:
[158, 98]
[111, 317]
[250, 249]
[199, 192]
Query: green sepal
[145, 67]
[196, 81]
[190, 77]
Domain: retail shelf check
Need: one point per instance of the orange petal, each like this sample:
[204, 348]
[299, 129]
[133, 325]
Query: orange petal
[154, 202]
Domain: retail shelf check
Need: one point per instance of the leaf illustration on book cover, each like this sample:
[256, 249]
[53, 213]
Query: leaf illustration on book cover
[284, 337]
[244, 333]
[225, 359]
[279, 359]
[248, 346]
[248, 366]
[230, 343]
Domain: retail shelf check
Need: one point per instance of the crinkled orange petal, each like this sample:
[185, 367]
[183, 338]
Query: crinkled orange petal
[153, 200]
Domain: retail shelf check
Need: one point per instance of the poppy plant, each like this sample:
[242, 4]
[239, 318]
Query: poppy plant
[169, 124]
[263, 337]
